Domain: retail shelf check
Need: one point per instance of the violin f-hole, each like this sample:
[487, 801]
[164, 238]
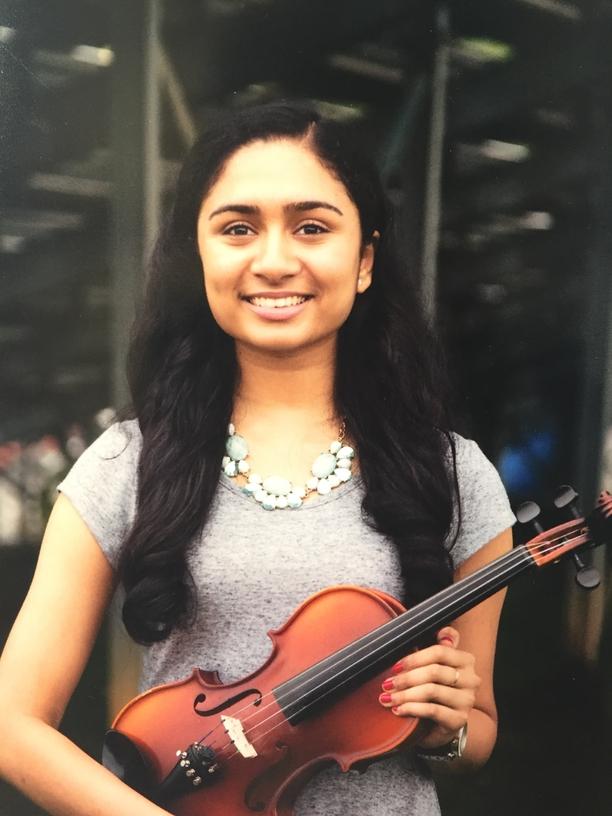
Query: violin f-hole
[203, 712]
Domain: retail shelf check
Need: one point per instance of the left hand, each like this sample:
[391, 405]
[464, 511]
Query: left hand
[438, 684]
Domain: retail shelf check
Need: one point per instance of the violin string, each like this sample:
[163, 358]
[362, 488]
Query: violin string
[509, 561]
[261, 737]
[544, 548]
[518, 554]
[304, 708]
[552, 545]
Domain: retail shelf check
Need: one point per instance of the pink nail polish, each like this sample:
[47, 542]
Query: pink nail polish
[385, 698]
[397, 667]
[388, 684]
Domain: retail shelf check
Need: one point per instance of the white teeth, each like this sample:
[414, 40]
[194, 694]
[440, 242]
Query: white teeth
[277, 303]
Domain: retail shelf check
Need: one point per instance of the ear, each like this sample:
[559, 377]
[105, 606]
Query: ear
[366, 263]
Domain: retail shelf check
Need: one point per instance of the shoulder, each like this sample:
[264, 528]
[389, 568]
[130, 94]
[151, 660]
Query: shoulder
[102, 485]
[483, 509]
[121, 439]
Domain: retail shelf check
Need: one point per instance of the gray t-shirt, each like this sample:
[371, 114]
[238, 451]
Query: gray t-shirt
[253, 567]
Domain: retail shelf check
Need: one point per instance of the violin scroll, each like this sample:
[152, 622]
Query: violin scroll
[572, 537]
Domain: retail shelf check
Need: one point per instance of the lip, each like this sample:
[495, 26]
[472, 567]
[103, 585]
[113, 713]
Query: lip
[276, 294]
[278, 313]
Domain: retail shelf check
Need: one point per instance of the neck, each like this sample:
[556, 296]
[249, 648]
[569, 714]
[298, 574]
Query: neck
[299, 385]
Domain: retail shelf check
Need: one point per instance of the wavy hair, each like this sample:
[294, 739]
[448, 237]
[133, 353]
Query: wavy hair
[390, 386]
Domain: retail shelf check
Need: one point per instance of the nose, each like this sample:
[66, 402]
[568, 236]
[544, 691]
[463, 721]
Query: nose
[275, 257]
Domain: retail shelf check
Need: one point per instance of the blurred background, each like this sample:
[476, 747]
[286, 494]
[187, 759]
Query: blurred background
[491, 121]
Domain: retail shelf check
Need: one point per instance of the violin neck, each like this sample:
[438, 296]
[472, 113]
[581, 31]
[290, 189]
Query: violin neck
[365, 657]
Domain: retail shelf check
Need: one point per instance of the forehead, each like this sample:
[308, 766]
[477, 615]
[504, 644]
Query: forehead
[280, 170]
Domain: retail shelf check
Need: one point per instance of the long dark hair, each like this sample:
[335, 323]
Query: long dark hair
[182, 372]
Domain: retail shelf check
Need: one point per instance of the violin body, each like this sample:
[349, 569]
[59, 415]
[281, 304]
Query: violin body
[167, 719]
[201, 748]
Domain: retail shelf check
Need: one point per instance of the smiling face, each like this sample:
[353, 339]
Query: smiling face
[280, 244]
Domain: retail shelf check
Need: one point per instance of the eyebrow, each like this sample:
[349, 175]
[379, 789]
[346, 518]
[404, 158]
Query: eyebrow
[297, 206]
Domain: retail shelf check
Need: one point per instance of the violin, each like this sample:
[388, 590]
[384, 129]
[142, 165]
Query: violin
[198, 747]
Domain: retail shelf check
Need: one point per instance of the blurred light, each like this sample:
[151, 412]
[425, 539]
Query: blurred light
[14, 334]
[340, 113]
[105, 418]
[558, 7]
[234, 6]
[504, 151]
[77, 375]
[503, 225]
[481, 49]
[474, 156]
[12, 244]
[75, 443]
[537, 221]
[92, 55]
[7, 34]
[70, 185]
[555, 118]
[493, 293]
[367, 68]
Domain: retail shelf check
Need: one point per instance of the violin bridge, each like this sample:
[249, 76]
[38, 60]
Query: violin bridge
[235, 731]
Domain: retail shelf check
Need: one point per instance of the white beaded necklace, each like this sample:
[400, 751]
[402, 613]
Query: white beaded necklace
[329, 470]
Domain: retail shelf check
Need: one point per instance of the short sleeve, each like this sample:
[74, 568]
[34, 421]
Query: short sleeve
[102, 486]
[485, 509]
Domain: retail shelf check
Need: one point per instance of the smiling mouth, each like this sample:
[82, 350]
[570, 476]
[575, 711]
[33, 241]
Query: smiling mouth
[277, 302]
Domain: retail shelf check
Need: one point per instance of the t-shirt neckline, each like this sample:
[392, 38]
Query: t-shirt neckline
[318, 501]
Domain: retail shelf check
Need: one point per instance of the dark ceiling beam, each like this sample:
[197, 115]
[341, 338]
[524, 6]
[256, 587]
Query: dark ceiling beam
[523, 261]
[498, 93]
[262, 44]
[58, 24]
[515, 186]
[519, 24]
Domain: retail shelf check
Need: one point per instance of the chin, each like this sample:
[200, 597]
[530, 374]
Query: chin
[284, 345]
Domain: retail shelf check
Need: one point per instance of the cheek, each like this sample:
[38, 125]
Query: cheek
[341, 298]
[219, 275]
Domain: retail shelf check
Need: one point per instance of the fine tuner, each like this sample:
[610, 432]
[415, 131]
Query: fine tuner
[587, 576]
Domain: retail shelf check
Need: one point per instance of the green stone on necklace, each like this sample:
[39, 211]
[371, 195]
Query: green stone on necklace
[329, 469]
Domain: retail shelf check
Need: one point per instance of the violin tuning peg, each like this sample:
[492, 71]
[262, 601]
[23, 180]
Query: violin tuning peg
[565, 499]
[527, 513]
[587, 576]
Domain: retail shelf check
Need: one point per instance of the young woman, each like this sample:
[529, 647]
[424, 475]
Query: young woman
[276, 321]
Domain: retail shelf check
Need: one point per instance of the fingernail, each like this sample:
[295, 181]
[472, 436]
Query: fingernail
[395, 709]
[445, 640]
[397, 667]
[388, 684]
[385, 698]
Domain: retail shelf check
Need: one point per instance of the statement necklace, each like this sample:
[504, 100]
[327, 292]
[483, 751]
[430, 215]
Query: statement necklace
[328, 470]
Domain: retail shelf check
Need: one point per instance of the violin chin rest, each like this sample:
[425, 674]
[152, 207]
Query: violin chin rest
[122, 757]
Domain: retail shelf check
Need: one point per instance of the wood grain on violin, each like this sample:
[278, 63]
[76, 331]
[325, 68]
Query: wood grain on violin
[201, 748]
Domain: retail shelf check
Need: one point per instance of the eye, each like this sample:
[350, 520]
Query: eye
[237, 229]
[312, 229]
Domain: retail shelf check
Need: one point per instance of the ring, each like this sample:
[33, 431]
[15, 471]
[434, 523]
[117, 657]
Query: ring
[454, 683]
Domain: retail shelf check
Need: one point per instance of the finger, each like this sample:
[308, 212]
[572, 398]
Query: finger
[444, 655]
[446, 718]
[447, 636]
[456, 699]
[433, 673]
